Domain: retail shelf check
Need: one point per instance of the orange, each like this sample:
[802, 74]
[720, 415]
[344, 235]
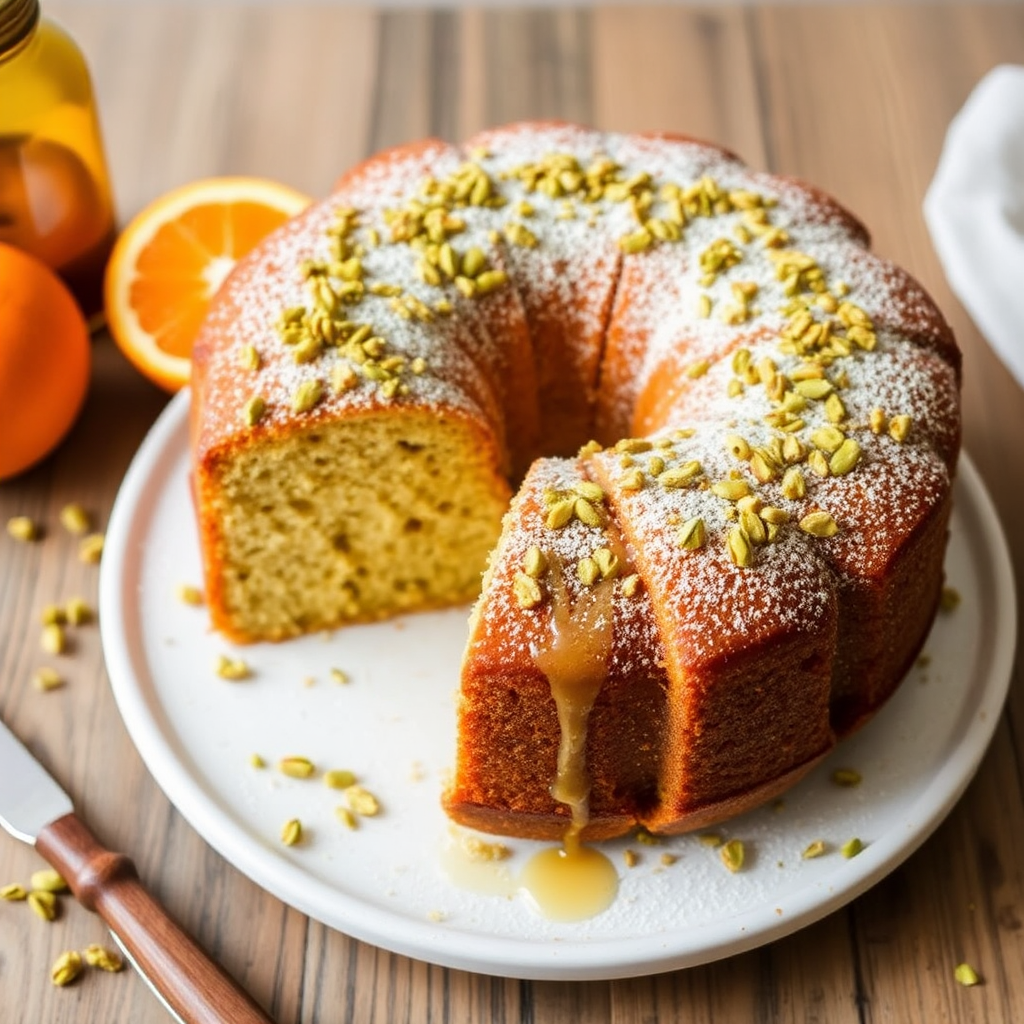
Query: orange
[45, 357]
[171, 259]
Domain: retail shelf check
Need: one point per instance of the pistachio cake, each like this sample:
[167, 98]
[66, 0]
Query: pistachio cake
[680, 617]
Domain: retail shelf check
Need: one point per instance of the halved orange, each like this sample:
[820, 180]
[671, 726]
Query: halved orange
[170, 260]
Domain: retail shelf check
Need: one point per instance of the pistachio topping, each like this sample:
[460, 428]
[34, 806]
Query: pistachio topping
[819, 524]
[45, 679]
[814, 849]
[527, 591]
[90, 550]
[13, 892]
[535, 562]
[691, 534]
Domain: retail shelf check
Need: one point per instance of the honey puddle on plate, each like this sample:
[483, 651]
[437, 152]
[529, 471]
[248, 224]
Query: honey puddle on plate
[571, 882]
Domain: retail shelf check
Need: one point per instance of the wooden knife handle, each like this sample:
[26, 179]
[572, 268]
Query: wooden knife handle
[196, 988]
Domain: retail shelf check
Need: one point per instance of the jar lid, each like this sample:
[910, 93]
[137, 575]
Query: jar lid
[18, 20]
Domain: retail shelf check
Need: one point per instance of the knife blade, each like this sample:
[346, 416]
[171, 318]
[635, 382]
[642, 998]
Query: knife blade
[34, 809]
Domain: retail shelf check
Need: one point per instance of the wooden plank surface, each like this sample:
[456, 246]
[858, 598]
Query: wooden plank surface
[855, 98]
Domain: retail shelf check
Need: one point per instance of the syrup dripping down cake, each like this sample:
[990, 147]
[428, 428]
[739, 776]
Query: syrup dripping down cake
[734, 426]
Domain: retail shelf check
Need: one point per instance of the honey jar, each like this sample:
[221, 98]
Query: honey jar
[55, 198]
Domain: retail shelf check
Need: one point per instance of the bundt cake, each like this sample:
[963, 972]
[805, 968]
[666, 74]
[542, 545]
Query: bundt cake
[731, 550]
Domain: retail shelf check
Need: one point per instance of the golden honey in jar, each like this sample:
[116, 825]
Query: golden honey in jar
[55, 200]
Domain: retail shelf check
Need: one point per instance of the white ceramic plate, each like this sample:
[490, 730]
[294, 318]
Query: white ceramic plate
[393, 724]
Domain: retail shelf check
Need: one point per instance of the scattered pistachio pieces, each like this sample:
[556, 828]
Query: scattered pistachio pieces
[13, 892]
[78, 612]
[102, 958]
[846, 777]
[75, 519]
[346, 817]
[362, 802]
[256, 761]
[90, 550]
[966, 975]
[23, 528]
[53, 640]
[296, 767]
[291, 832]
[339, 778]
[43, 903]
[668, 859]
[48, 880]
[45, 679]
[815, 849]
[851, 847]
[66, 968]
[630, 858]
[950, 599]
[339, 676]
[232, 669]
[711, 839]
[52, 613]
[189, 594]
[733, 854]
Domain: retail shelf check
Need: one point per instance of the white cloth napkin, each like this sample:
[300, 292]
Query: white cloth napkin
[975, 211]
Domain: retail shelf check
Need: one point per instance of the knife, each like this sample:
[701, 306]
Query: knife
[34, 809]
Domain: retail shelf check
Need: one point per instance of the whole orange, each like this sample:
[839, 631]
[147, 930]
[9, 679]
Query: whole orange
[44, 360]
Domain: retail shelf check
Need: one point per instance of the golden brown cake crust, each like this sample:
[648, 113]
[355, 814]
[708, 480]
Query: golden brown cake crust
[759, 544]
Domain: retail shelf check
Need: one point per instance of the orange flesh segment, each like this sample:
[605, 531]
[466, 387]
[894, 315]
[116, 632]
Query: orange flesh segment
[170, 291]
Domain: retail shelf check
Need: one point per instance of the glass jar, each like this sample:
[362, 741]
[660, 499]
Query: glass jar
[55, 199]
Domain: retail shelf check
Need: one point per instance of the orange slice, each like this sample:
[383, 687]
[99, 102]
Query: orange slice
[170, 260]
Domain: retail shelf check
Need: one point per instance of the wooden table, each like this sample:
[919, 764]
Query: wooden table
[854, 98]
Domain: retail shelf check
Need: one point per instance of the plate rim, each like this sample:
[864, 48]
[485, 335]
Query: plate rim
[494, 954]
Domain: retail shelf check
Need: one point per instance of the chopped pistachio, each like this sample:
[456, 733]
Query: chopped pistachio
[48, 880]
[851, 848]
[44, 904]
[819, 524]
[189, 594]
[339, 778]
[291, 832]
[296, 767]
[77, 611]
[13, 892]
[45, 679]
[815, 849]
[232, 669]
[53, 640]
[966, 975]
[90, 550]
[846, 777]
[66, 968]
[23, 528]
[362, 802]
[102, 958]
[75, 519]
[733, 854]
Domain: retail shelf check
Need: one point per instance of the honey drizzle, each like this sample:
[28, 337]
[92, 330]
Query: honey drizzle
[575, 661]
[574, 882]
